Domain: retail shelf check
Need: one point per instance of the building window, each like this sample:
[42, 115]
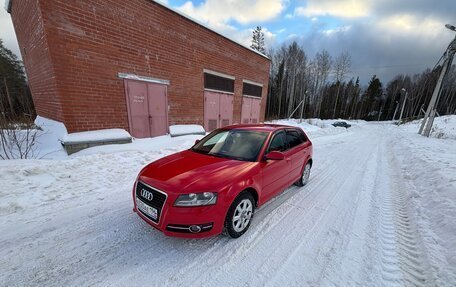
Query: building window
[251, 90]
[214, 82]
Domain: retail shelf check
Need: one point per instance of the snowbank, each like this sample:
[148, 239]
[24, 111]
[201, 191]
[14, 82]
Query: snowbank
[49, 140]
[96, 136]
[314, 128]
[444, 127]
[180, 130]
[428, 167]
[155, 144]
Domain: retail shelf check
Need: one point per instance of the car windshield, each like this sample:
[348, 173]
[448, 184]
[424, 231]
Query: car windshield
[234, 144]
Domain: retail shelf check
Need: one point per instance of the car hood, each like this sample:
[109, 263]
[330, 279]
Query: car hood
[189, 171]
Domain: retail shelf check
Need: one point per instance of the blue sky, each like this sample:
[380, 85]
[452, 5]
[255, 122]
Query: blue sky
[383, 37]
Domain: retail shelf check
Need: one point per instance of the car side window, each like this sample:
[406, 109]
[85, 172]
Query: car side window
[293, 138]
[302, 136]
[278, 143]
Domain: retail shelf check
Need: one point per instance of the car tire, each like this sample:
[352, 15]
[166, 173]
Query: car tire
[304, 179]
[240, 215]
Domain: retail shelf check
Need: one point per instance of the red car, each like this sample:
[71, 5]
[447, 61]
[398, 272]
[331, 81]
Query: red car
[217, 184]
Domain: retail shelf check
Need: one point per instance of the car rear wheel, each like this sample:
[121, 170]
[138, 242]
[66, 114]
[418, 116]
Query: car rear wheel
[304, 179]
[240, 215]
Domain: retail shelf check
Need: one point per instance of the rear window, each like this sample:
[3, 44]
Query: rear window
[294, 138]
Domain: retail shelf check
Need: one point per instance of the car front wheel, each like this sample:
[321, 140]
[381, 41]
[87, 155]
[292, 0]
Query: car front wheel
[240, 215]
[304, 179]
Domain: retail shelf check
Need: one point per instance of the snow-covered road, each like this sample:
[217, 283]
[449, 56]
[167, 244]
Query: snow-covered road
[351, 225]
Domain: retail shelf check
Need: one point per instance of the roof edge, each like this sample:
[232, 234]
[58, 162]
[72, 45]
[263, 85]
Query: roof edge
[207, 27]
[7, 6]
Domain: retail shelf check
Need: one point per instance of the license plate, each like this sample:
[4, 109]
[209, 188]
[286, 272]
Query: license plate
[149, 210]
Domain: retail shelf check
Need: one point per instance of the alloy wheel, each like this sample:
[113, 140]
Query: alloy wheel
[242, 215]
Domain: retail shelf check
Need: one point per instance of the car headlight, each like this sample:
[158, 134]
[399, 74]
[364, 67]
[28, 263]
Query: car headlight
[196, 199]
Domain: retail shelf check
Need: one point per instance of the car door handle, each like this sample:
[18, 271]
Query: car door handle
[288, 159]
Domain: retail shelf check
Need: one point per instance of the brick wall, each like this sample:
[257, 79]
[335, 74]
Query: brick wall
[87, 43]
[34, 48]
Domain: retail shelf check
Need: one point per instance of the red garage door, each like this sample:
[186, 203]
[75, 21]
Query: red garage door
[147, 108]
[218, 110]
[250, 110]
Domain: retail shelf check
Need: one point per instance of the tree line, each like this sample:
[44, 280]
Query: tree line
[322, 83]
[15, 98]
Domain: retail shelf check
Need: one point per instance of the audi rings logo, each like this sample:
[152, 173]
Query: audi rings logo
[147, 194]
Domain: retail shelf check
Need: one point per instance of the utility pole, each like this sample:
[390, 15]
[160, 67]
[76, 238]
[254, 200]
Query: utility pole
[428, 120]
[403, 104]
[302, 106]
[395, 110]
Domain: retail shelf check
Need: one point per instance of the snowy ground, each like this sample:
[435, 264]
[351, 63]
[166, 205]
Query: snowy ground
[380, 210]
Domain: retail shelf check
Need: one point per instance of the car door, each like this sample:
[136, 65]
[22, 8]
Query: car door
[297, 152]
[275, 173]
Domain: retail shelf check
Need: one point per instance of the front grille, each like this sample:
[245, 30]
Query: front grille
[156, 202]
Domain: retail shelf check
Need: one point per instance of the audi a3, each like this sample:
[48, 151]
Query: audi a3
[216, 185]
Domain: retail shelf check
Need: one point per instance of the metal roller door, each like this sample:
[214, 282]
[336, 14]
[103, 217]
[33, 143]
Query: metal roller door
[250, 110]
[218, 110]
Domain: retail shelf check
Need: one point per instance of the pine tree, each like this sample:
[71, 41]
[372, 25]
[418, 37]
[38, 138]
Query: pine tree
[258, 40]
[15, 98]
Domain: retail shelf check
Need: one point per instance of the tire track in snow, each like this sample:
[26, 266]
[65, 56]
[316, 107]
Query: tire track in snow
[266, 218]
[326, 234]
[394, 255]
[299, 213]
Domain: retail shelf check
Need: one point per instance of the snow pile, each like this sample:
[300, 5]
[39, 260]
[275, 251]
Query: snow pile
[48, 141]
[428, 167]
[96, 136]
[378, 211]
[444, 127]
[319, 123]
[180, 130]
[141, 145]
[314, 128]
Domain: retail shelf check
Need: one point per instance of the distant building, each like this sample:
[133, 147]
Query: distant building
[136, 65]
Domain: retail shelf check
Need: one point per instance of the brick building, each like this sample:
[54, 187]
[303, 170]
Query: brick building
[136, 65]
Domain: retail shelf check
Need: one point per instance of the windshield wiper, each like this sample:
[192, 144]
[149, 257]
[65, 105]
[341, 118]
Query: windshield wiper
[198, 151]
[228, 156]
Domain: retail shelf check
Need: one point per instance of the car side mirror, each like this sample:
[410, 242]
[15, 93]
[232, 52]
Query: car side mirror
[275, 155]
[197, 141]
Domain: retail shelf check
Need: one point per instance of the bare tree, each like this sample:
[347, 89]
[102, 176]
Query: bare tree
[342, 66]
[17, 140]
[323, 62]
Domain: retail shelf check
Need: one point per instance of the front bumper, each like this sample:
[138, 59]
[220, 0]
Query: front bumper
[187, 222]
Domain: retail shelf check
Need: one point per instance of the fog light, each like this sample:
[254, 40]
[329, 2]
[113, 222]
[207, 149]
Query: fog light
[195, 228]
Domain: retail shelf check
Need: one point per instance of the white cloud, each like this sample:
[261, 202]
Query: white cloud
[410, 24]
[244, 12]
[218, 14]
[384, 46]
[337, 30]
[337, 8]
[7, 33]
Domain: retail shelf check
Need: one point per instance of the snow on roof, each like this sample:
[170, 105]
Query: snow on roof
[180, 130]
[207, 27]
[8, 5]
[96, 136]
